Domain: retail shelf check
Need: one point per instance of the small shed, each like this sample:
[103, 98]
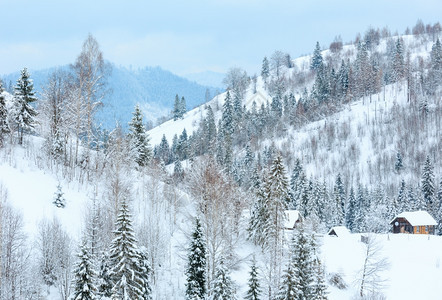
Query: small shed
[339, 231]
[415, 222]
[292, 218]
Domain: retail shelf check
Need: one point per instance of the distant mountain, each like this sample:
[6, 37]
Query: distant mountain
[152, 87]
[207, 78]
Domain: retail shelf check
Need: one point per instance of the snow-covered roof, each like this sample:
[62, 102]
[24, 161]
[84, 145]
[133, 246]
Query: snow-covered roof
[416, 218]
[339, 231]
[291, 217]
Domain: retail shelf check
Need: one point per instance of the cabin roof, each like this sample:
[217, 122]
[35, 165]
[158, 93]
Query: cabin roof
[339, 231]
[291, 217]
[416, 218]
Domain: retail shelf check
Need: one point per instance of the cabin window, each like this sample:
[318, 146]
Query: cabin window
[417, 229]
[426, 228]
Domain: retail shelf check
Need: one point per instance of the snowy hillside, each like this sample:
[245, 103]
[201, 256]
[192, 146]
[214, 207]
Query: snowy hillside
[348, 137]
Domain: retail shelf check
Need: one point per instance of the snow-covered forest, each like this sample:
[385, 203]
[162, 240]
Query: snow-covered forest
[201, 206]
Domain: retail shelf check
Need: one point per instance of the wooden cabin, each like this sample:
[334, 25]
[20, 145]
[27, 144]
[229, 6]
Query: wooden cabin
[414, 222]
[339, 231]
[292, 218]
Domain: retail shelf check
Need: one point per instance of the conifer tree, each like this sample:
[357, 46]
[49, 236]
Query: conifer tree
[128, 272]
[428, 190]
[398, 166]
[176, 112]
[317, 60]
[339, 197]
[350, 212]
[254, 290]
[265, 70]
[227, 116]
[183, 107]
[178, 171]
[59, 199]
[139, 139]
[222, 288]
[196, 265]
[402, 200]
[84, 273]
[319, 288]
[24, 113]
[4, 122]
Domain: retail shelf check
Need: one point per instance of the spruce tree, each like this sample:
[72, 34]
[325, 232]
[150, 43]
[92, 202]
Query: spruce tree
[183, 107]
[319, 288]
[196, 265]
[128, 272]
[227, 116]
[222, 288]
[4, 122]
[428, 187]
[176, 112]
[84, 273]
[59, 199]
[402, 200]
[139, 139]
[265, 70]
[350, 212]
[24, 113]
[339, 197]
[317, 60]
[178, 171]
[398, 166]
[254, 290]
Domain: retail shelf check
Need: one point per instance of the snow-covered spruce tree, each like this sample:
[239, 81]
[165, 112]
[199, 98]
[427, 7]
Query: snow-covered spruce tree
[298, 277]
[59, 199]
[222, 287]
[183, 107]
[227, 116]
[254, 290]
[139, 139]
[350, 212]
[24, 113]
[439, 213]
[317, 60]
[265, 69]
[128, 272]
[104, 282]
[398, 165]
[339, 198]
[84, 273]
[428, 187]
[402, 201]
[178, 171]
[176, 108]
[196, 265]
[319, 288]
[4, 122]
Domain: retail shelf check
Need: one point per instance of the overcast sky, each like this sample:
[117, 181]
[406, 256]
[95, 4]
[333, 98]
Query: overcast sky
[190, 36]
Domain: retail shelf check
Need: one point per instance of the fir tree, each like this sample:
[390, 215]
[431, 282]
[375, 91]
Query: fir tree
[84, 273]
[104, 277]
[317, 60]
[176, 112]
[398, 166]
[339, 196]
[254, 290]
[402, 200]
[139, 139]
[4, 122]
[428, 189]
[59, 199]
[196, 265]
[128, 272]
[350, 212]
[223, 288]
[265, 70]
[227, 116]
[24, 113]
[183, 107]
[178, 171]
[319, 288]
